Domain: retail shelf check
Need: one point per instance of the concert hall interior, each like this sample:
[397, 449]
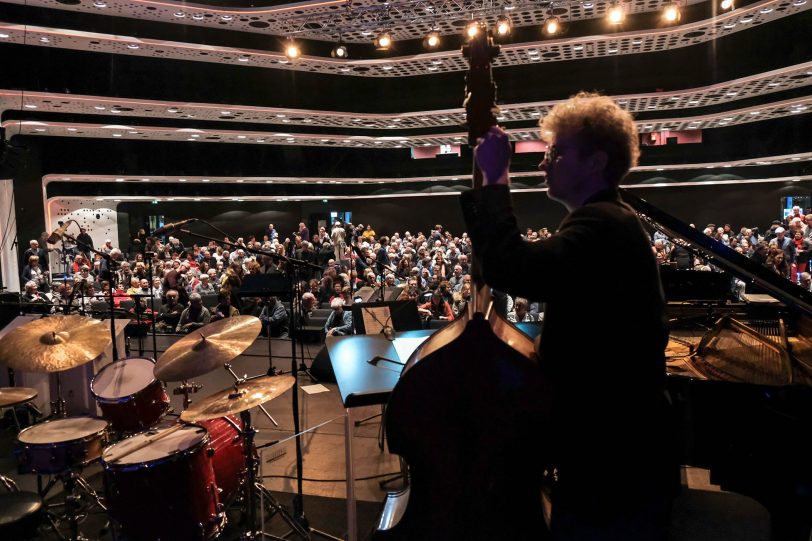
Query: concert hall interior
[242, 249]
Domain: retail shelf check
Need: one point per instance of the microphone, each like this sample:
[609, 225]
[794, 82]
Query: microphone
[58, 233]
[169, 228]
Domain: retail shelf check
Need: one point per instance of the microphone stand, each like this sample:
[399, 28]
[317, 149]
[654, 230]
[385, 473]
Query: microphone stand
[148, 258]
[293, 266]
[111, 268]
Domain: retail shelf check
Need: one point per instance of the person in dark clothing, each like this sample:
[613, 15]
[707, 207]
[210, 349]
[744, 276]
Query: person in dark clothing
[274, 319]
[610, 422]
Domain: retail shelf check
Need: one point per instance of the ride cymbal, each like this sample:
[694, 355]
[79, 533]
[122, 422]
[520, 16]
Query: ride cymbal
[207, 348]
[244, 396]
[54, 343]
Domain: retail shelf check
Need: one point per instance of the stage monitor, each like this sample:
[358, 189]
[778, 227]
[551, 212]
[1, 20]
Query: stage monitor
[372, 317]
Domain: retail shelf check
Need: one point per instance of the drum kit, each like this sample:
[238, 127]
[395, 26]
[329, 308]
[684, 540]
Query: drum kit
[163, 478]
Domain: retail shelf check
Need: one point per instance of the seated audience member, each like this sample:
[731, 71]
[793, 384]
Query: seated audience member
[339, 322]
[169, 315]
[193, 317]
[205, 286]
[135, 286]
[33, 296]
[461, 300]
[436, 308]
[274, 317]
[224, 308]
[33, 272]
[520, 312]
[120, 294]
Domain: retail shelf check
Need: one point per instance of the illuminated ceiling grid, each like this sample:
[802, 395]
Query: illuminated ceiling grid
[655, 40]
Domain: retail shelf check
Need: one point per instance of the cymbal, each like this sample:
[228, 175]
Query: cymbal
[54, 343]
[207, 348]
[10, 396]
[247, 395]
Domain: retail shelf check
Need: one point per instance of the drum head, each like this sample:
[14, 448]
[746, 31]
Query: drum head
[123, 378]
[62, 430]
[141, 449]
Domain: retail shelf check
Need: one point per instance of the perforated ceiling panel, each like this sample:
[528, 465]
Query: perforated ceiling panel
[441, 62]
[355, 22]
[779, 109]
[757, 85]
[95, 179]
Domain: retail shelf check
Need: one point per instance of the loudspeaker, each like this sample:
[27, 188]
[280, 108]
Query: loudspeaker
[322, 368]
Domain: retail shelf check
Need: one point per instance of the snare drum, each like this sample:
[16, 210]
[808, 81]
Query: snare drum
[159, 484]
[129, 395]
[61, 444]
[227, 449]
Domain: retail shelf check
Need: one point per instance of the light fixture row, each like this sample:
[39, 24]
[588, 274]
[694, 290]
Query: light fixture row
[615, 16]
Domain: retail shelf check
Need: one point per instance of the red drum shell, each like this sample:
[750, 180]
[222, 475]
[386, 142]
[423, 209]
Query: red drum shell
[140, 406]
[174, 497]
[228, 454]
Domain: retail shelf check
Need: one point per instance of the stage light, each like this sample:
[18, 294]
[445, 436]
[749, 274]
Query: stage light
[383, 41]
[292, 50]
[671, 13]
[615, 14]
[503, 26]
[727, 4]
[472, 29]
[551, 25]
[339, 51]
[432, 40]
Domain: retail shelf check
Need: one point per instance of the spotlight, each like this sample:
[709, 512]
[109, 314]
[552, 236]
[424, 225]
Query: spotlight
[671, 13]
[292, 50]
[615, 14]
[727, 4]
[383, 42]
[551, 25]
[472, 29]
[432, 40]
[503, 26]
[339, 51]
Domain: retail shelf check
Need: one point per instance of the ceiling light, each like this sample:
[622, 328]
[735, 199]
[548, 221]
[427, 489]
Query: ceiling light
[671, 13]
[615, 14]
[727, 4]
[503, 26]
[339, 51]
[432, 40]
[551, 25]
[383, 41]
[30, 106]
[292, 50]
[472, 29]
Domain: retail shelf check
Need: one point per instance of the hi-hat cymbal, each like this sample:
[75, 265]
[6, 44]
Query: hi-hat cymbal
[207, 348]
[247, 395]
[54, 343]
[11, 396]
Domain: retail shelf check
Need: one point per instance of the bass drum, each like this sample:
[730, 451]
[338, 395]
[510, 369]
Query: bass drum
[227, 450]
[160, 485]
[129, 395]
[59, 445]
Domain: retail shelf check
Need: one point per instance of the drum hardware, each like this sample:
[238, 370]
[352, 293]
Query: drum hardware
[11, 397]
[186, 388]
[238, 380]
[74, 486]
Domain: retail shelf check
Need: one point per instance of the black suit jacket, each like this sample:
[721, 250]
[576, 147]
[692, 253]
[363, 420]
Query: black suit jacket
[602, 344]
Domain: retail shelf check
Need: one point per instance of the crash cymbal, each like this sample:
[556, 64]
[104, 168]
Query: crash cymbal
[207, 348]
[245, 396]
[10, 396]
[54, 343]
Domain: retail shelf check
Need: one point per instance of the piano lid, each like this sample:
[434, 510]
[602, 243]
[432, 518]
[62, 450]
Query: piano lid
[720, 255]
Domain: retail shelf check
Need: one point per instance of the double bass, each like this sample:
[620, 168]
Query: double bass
[468, 412]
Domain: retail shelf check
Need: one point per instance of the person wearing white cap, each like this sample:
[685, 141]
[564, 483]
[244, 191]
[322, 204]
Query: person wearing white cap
[785, 243]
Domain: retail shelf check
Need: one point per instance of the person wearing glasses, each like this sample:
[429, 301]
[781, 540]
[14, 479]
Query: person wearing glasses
[609, 425]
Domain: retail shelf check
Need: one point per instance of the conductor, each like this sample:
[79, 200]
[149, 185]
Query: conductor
[603, 342]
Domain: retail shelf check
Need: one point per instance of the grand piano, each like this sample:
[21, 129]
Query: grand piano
[740, 376]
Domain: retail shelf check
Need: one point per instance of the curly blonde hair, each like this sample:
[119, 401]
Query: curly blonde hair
[599, 123]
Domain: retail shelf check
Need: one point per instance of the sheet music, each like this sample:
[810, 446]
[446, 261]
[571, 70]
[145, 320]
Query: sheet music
[406, 346]
[375, 318]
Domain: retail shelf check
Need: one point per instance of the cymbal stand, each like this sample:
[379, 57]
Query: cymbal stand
[59, 407]
[238, 380]
[73, 487]
[254, 490]
[186, 388]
